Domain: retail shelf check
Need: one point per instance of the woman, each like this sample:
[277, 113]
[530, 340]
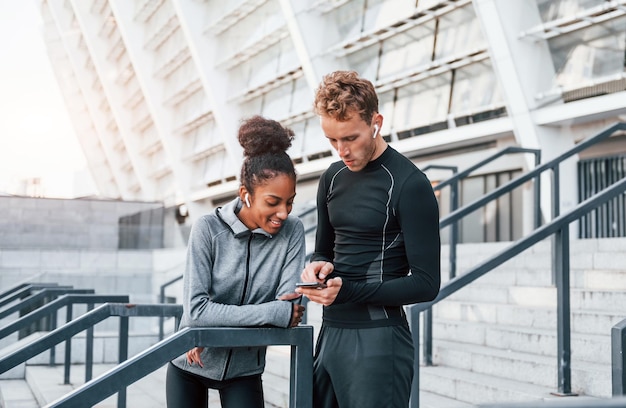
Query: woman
[243, 262]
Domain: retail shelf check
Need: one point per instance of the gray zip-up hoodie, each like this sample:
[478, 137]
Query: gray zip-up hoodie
[233, 277]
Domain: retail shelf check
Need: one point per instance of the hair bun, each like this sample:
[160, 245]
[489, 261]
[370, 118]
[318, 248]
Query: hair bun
[259, 136]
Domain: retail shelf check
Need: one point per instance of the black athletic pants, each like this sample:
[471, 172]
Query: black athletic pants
[364, 368]
[187, 390]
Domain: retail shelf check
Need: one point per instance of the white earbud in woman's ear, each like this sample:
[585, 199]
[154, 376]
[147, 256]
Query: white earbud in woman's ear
[247, 200]
[375, 131]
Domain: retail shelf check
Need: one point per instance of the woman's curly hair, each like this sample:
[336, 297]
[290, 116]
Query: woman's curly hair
[265, 143]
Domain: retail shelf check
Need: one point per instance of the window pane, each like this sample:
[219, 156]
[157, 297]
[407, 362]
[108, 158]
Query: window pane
[383, 13]
[386, 108]
[348, 19]
[423, 103]
[297, 144]
[471, 229]
[365, 62]
[459, 33]
[551, 10]
[591, 53]
[276, 102]
[407, 51]
[314, 140]
[475, 89]
[302, 99]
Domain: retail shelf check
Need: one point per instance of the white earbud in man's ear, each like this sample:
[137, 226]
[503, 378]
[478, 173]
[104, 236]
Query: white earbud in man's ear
[375, 131]
[247, 200]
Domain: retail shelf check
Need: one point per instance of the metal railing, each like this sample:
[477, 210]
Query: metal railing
[618, 359]
[36, 297]
[22, 290]
[50, 309]
[552, 165]
[559, 227]
[162, 301]
[117, 379]
[86, 322]
[457, 176]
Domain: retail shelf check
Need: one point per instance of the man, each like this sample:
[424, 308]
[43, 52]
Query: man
[377, 248]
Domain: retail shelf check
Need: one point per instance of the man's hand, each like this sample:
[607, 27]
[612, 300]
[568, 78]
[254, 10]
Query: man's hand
[325, 296]
[317, 271]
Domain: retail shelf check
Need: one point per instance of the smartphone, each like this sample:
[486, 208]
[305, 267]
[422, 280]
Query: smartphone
[317, 285]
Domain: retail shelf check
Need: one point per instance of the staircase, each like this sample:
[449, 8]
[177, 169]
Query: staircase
[495, 340]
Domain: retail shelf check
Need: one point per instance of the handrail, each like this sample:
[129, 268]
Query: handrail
[300, 338]
[507, 150]
[558, 226]
[618, 358]
[21, 290]
[453, 182]
[40, 295]
[455, 216]
[162, 300]
[86, 322]
[51, 309]
[55, 305]
[551, 165]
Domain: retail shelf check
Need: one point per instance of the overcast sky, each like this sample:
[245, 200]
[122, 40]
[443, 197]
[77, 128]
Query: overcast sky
[36, 135]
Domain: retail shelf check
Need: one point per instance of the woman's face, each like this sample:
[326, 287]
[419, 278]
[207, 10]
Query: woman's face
[270, 204]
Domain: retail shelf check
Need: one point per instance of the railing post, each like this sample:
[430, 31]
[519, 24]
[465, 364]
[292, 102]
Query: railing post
[428, 337]
[618, 358]
[415, 330]
[68, 348]
[89, 349]
[537, 188]
[52, 325]
[161, 318]
[454, 228]
[562, 269]
[123, 356]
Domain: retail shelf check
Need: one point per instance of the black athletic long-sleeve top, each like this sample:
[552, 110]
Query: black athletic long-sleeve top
[380, 228]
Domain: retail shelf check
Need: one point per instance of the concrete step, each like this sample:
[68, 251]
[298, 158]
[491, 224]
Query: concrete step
[16, 394]
[46, 383]
[476, 388]
[532, 296]
[431, 400]
[465, 388]
[47, 386]
[587, 378]
[583, 321]
[18, 371]
[585, 347]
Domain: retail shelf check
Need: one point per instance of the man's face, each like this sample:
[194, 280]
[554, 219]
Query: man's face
[353, 140]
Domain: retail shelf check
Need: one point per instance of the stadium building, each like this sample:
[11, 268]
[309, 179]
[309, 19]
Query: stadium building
[157, 88]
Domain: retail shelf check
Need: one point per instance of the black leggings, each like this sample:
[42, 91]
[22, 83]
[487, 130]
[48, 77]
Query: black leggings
[187, 390]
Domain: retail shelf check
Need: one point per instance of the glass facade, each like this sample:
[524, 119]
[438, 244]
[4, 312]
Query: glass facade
[186, 72]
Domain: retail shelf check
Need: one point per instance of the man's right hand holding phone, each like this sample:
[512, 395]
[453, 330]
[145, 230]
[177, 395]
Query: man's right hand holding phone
[318, 271]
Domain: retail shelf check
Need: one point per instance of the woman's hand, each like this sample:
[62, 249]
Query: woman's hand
[298, 310]
[193, 356]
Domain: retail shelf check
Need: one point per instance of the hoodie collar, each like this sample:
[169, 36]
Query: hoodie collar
[228, 215]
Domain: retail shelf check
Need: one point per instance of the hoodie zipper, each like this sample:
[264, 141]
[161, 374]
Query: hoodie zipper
[243, 298]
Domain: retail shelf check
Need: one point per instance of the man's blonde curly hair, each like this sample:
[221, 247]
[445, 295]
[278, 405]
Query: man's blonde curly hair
[342, 94]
